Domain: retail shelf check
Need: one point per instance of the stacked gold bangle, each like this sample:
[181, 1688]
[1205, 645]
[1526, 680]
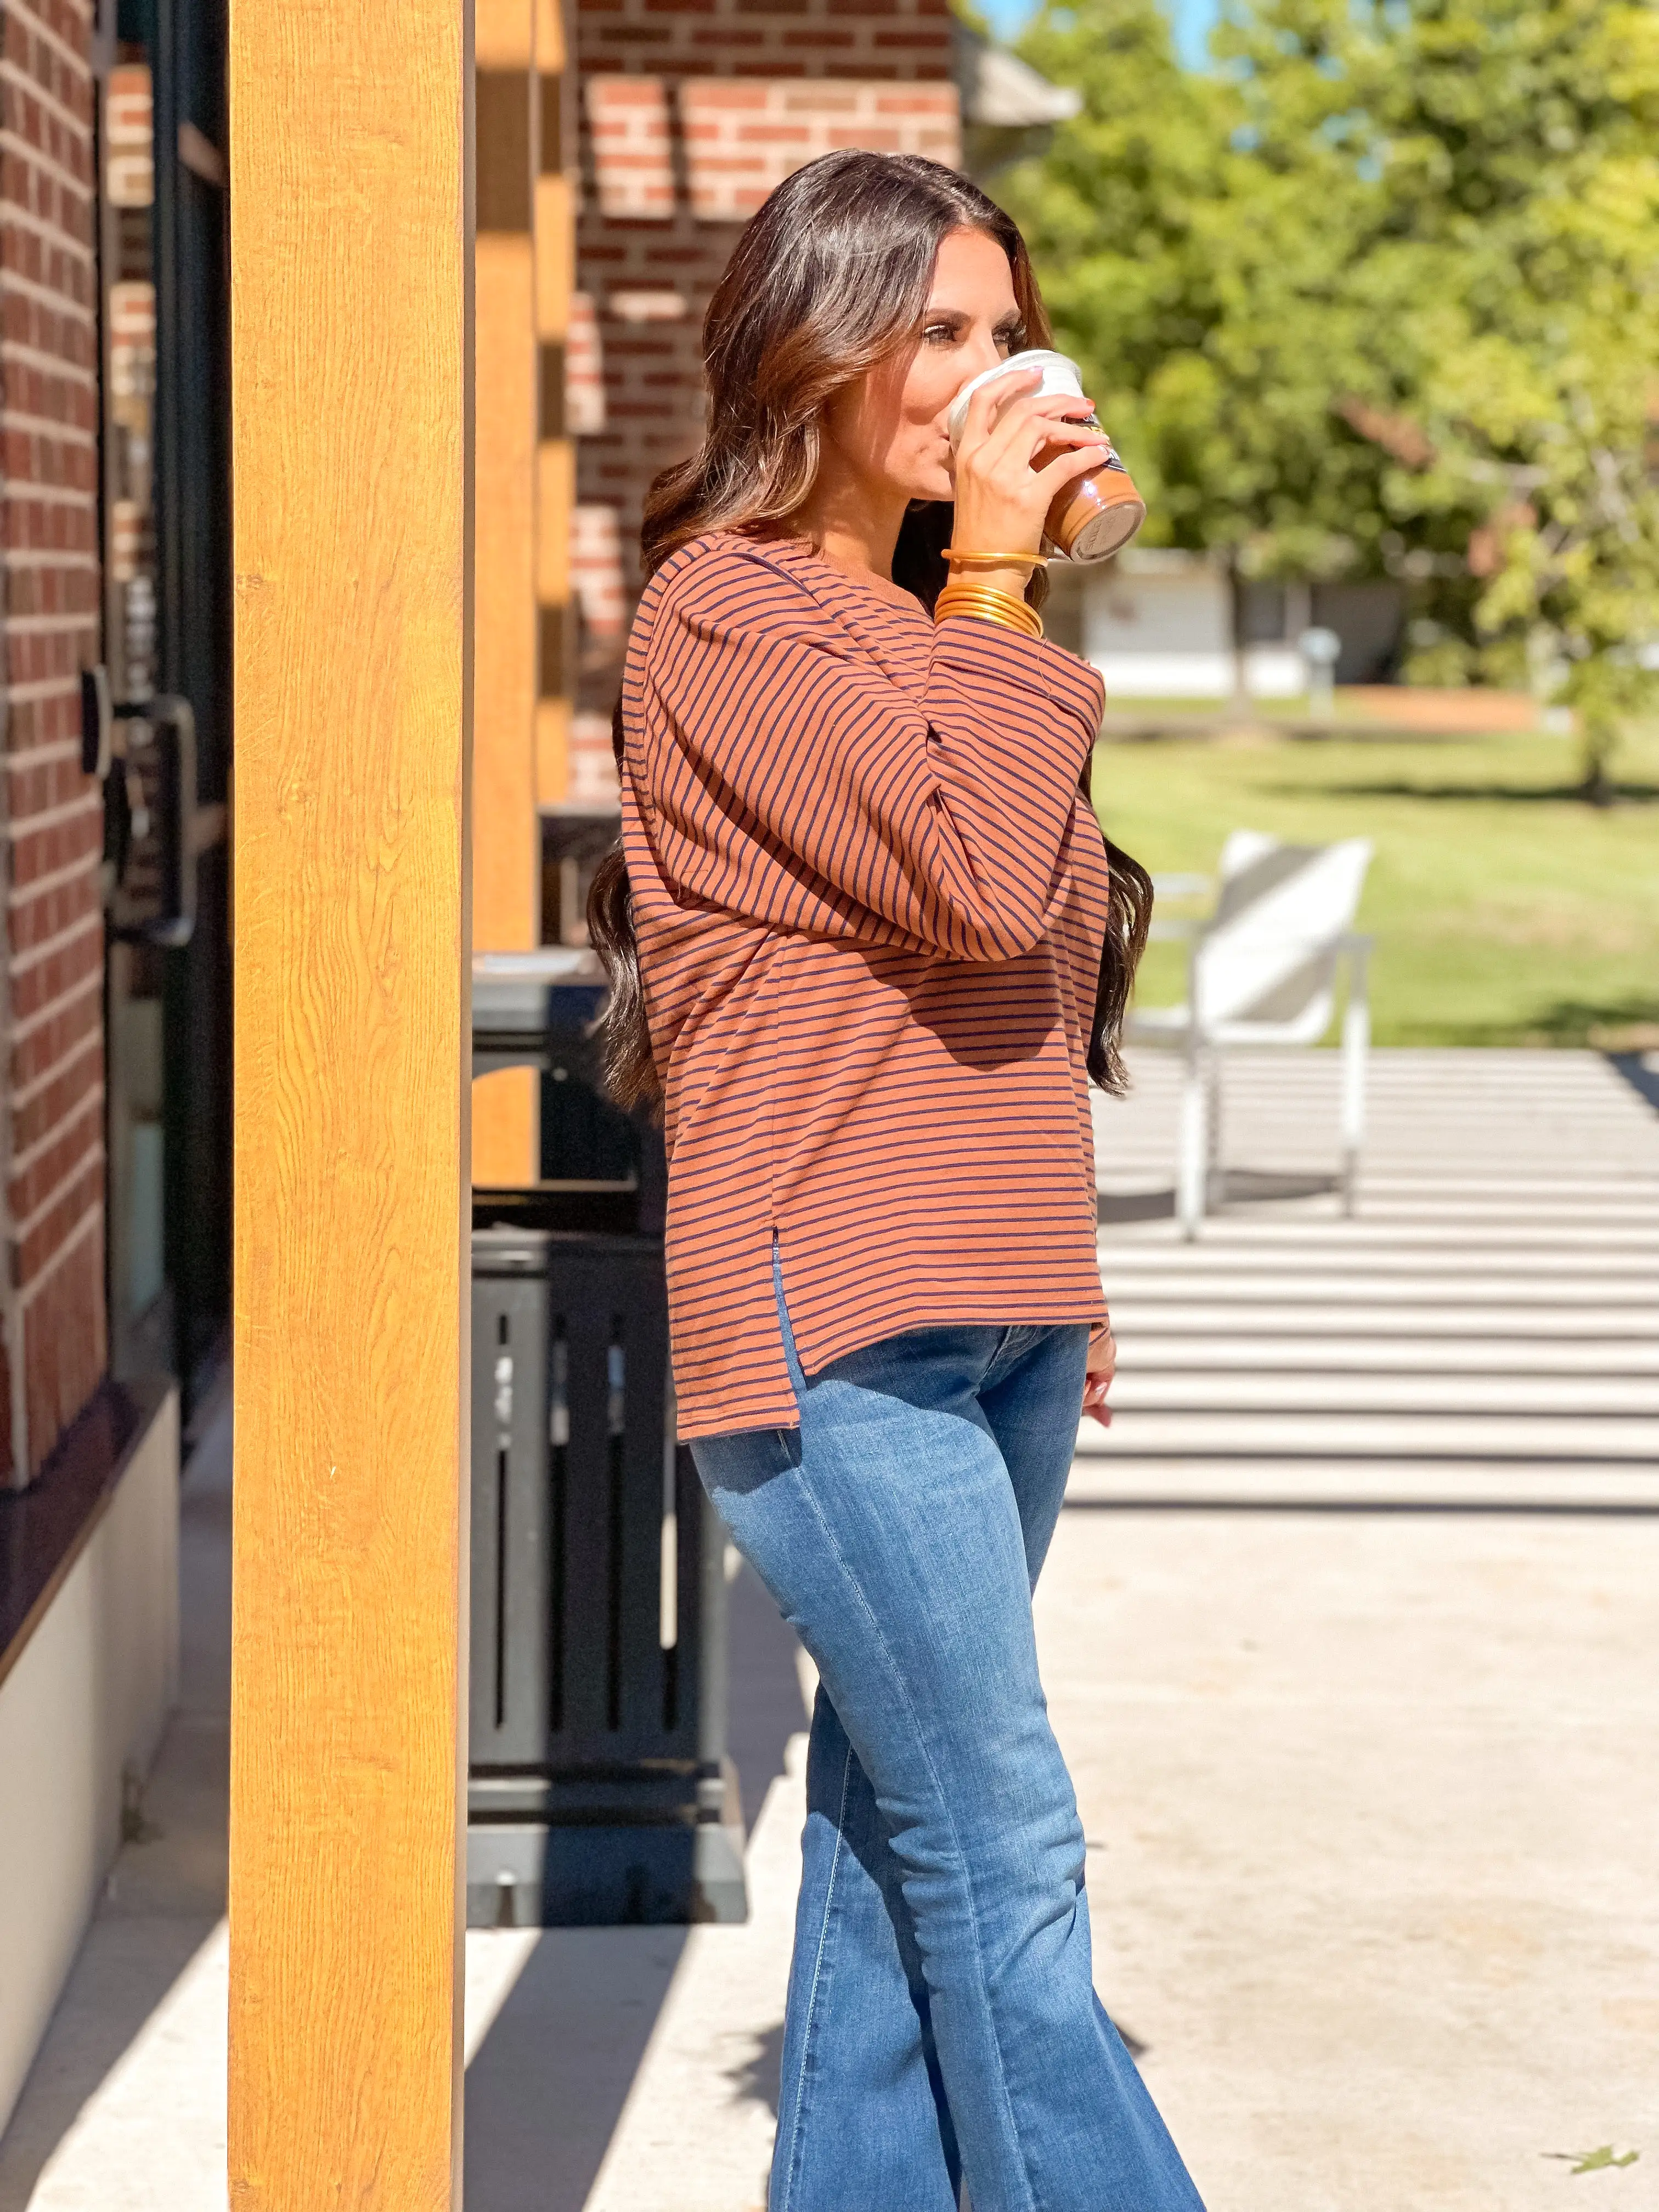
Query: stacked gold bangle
[988, 605]
[985, 602]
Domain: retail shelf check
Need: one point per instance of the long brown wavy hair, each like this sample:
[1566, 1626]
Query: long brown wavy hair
[831, 277]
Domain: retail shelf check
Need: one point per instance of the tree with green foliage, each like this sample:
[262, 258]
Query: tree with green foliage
[1184, 272]
[1379, 293]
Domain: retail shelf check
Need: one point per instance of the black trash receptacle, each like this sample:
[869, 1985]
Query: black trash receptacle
[599, 1790]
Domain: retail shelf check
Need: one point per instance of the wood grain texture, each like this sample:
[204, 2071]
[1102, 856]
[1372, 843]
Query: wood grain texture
[550, 37]
[556, 255]
[553, 749]
[506, 827]
[506, 907]
[506, 1124]
[556, 499]
[503, 33]
[351, 351]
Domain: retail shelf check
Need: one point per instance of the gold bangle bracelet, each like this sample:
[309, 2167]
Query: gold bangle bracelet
[960, 589]
[999, 615]
[960, 595]
[1000, 610]
[959, 585]
[998, 560]
[988, 604]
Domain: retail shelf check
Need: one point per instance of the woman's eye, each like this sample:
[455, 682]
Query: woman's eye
[939, 333]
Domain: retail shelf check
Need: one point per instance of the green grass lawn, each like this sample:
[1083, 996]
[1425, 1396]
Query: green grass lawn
[1505, 911]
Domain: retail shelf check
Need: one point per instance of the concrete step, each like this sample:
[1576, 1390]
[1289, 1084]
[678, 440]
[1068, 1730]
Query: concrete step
[1146, 1350]
[1290, 1433]
[1138, 1389]
[1291, 1259]
[1432, 1241]
[1373, 1485]
[1317, 1283]
[1363, 1314]
[1488, 1317]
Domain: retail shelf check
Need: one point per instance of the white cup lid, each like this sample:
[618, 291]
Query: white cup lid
[1060, 374]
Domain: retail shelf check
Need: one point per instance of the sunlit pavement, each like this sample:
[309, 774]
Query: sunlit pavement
[1364, 1721]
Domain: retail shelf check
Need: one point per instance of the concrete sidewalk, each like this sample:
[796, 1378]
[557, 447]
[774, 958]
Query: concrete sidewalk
[1374, 1803]
[1371, 1805]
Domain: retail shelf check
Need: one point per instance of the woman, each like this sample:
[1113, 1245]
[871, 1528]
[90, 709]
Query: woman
[855, 939]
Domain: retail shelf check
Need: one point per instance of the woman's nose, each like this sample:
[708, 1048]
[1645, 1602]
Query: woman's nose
[980, 353]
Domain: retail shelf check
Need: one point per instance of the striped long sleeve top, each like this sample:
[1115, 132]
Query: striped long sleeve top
[870, 900]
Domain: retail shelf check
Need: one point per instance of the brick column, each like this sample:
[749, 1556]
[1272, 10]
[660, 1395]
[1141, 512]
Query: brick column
[52, 1100]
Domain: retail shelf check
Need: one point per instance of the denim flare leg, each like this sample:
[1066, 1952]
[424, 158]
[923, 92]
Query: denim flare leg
[941, 2015]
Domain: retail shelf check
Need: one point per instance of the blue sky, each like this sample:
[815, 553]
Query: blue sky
[1193, 19]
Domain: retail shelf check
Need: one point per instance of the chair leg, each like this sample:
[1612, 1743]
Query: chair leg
[1215, 1174]
[1192, 1173]
[1356, 1044]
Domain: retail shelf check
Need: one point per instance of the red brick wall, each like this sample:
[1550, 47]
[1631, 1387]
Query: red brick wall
[905, 39]
[52, 1097]
[653, 368]
[742, 138]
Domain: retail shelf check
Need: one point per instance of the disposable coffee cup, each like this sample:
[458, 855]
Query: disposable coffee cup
[1095, 515]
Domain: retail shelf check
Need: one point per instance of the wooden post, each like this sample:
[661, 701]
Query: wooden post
[506, 829]
[350, 307]
[555, 456]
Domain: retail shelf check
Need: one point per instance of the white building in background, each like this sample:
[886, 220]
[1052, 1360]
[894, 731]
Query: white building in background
[1161, 624]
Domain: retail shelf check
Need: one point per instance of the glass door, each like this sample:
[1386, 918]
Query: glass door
[160, 720]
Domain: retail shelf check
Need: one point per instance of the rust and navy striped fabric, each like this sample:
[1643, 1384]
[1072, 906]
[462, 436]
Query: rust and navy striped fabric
[870, 900]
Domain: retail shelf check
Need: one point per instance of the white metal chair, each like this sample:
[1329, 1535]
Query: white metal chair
[1262, 970]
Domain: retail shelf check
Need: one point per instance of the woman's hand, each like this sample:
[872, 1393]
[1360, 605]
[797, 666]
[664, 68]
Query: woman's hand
[1098, 1379]
[1002, 501]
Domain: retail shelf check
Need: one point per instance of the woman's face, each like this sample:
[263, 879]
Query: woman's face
[888, 429]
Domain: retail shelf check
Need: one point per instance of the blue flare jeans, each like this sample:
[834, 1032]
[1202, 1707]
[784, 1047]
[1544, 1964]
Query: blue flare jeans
[941, 2020]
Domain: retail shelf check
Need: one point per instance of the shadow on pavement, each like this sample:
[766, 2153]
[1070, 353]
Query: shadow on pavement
[1642, 1080]
[547, 2086]
[758, 2080]
[549, 2078]
[1636, 794]
[121, 1977]
[1229, 1187]
[575, 2008]
[165, 1896]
